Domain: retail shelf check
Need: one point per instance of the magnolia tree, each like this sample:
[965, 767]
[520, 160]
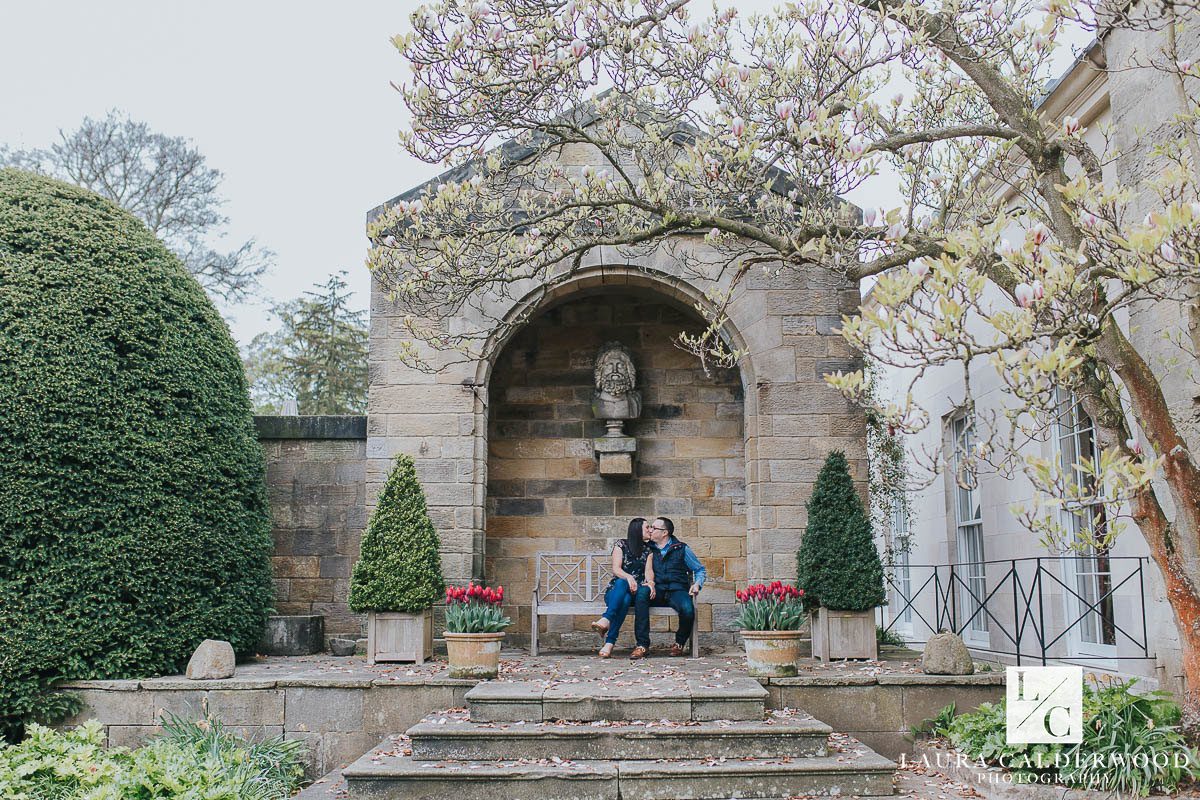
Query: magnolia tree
[747, 131]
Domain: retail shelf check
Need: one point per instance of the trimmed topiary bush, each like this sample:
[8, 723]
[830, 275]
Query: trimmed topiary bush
[399, 568]
[134, 521]
[838, 566]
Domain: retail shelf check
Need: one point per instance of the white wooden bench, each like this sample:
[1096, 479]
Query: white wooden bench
[573, 584]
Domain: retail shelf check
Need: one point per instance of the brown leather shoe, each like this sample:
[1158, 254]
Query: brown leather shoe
[638, 652]
[678, 650]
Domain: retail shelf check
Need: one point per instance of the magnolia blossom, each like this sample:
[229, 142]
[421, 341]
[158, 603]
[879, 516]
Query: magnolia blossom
[578, 48]
[1134, 445]
[1167, 251]
[920, 267]
[856, 146]
[1071, 126]
[784, 109]
[1024, 295]
[1039, 234]
[737, 127]
[743, 73]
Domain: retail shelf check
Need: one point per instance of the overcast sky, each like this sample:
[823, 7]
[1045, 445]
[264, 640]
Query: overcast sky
[290, 100]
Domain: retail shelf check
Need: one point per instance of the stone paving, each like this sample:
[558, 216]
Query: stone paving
[552, 668]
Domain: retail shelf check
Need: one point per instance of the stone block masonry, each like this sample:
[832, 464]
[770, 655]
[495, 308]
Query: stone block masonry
[316, 484]
[544, 492]
[341, 708]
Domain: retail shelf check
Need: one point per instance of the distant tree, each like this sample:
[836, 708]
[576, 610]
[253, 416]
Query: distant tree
[318, 356]
[165, 182]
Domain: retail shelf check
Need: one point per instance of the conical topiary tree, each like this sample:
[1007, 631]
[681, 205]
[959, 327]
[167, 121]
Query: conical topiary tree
[838, 566]
[399, 568]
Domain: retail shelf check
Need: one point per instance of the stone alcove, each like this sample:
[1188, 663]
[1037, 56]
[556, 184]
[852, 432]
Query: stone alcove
[543, 490]
[785, 327]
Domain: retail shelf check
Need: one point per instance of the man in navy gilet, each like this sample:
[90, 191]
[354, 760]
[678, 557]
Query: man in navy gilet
[678, 578]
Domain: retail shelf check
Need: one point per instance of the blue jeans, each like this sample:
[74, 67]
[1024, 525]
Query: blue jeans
[678, 599]
[617, 601]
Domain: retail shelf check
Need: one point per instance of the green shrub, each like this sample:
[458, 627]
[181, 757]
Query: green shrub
[1130, 743]
[134, 515]
[838, 566]
[399, 568]
[191, 761]
[889, 637]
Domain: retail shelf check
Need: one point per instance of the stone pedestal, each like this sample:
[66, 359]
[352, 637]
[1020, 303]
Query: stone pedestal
[615, 454]
[293, 635]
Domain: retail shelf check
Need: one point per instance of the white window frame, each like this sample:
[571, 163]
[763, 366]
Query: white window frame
[1073, 433]
[968, 535]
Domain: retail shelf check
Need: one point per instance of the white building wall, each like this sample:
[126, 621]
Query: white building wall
[941, 391]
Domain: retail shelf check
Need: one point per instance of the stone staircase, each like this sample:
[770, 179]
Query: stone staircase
[678, 738]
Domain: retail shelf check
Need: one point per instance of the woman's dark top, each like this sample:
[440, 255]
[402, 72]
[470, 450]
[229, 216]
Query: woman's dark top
[634, 566]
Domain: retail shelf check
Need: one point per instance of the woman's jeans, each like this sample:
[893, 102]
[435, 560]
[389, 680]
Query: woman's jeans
[617, 601]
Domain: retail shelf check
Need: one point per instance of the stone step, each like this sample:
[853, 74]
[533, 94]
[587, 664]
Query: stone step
[864, 775]
[402, 778]
[452, 737]
[680, 700]
[383, 774]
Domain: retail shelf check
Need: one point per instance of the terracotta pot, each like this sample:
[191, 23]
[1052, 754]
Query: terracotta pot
[473, 655]
[772, 654]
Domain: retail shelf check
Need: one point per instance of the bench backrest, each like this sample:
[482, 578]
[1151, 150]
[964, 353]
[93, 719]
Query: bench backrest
[572, 577]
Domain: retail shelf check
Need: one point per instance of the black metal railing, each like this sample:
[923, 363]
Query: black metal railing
[1007, 607]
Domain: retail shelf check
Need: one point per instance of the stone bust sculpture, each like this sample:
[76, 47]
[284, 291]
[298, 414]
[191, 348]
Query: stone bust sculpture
[615, 397]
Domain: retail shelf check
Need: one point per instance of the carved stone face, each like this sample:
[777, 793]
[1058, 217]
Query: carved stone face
[615, 374]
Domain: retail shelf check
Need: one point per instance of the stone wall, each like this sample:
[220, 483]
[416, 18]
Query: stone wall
[544, 493]
[316, 483]
[341, 713]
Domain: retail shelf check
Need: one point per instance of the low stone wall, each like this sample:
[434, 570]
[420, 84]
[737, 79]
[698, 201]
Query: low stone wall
[316, 483]
[341, 716]
[881, 709]
[338, 717]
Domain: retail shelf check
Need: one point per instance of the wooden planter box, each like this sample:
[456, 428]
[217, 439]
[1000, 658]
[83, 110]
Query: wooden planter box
[843, 634]
[396, 636]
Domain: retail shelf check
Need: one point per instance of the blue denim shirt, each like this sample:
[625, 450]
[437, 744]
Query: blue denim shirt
[699, 573]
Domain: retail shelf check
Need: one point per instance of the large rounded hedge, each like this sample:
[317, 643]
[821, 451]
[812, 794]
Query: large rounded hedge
[133, 511]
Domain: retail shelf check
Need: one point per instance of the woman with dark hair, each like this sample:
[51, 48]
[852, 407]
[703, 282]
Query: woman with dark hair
[630, 568]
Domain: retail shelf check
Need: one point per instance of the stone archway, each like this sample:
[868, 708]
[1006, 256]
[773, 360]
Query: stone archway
[543, 490]
[784, 325]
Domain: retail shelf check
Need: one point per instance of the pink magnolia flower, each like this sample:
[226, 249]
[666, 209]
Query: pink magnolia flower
[857, 146]
[1134, 445]
[1024, 294]
[1071, 126]
[578, 48]
[737, 127]
[1039, 234]
[743, 73]
[920, 267]
[784, 109]
[1167, 251]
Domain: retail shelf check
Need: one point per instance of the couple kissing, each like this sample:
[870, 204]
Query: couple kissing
[650, 568]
